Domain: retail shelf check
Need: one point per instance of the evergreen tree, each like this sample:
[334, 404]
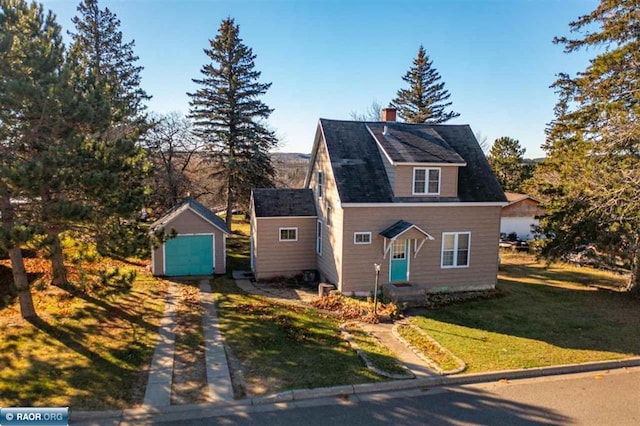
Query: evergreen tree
[229, 116]
[110, 174]
[426, 99]
[31, 58]
[506, 160]
[590, 176]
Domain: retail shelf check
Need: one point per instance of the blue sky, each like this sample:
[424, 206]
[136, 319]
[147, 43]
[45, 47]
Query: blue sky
[328, 58]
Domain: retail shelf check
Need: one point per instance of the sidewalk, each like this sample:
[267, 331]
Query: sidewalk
[218, 377]
[158, 392]
[402, 352]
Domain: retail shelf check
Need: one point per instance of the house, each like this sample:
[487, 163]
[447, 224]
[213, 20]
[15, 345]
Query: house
[520, 215]
[195, 243]
[419, 200]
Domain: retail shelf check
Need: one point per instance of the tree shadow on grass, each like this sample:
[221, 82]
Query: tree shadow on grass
[98, 383]
[590, 319]
[108, 310]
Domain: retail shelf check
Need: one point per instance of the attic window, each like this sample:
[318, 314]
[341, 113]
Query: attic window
[426, 181]
[320, 183]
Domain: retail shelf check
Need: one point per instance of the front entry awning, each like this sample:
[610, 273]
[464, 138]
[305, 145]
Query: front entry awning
[406, 230]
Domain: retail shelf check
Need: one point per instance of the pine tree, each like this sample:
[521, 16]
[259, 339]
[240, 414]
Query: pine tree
[31, 58]
[590, 177]
[111, 170]
[230, 116]
[506, 160]
[426, 99]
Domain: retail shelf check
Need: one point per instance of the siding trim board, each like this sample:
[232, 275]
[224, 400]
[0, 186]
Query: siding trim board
[284, 217]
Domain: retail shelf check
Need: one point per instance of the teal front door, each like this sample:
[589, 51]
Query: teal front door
[189, 255]
[399, 269]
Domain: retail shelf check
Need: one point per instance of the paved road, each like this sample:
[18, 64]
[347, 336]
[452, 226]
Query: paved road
[601, 398]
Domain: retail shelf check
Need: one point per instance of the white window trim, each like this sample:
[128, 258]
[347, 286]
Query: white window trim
[426, 181]
[455, 251]
[328, 219]
[319, 237]
[287, 240]
[361, 233]
[320, 178]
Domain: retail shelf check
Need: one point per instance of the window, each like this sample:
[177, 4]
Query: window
[455, 249]
[426, 181]
[288, 234]
[319, 238]
[399, 249]
[362, 238]
[320, 183]
[328, 219]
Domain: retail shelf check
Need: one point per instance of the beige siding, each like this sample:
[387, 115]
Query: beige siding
[189, 222]
[329, 264]
[526, 207]
[425, 269]
[283, 258]
[404, 181]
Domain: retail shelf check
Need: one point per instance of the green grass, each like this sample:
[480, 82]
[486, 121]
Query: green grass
[87, 348]
[426, 346]
[238, 246]
[550, 315]
[285, 347]
[377, 354]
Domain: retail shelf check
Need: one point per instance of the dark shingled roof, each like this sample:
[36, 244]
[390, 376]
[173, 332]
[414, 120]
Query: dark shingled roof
[196, 207]
[356, 162]
[396, 229]
[360, 173]
[276, 202]
[414, 144]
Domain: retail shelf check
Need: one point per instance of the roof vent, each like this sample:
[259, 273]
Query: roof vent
[385, 131]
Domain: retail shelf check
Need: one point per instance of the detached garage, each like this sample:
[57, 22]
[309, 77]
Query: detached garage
[196, 243]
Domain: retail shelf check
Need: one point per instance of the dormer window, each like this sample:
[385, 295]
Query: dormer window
[426, 181]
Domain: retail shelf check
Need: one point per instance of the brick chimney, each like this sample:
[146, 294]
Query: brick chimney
[388, 114]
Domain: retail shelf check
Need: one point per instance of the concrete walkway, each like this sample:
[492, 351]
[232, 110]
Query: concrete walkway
[218, 377]
[402, 352]
[158, 392]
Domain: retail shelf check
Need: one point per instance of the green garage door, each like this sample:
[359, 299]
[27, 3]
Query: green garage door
[189, 255]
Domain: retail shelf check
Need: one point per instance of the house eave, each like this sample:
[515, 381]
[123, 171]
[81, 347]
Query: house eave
[427, 204]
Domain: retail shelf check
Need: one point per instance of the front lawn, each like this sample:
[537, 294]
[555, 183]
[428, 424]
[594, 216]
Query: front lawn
[556, 315]
[90, 345]
[282, 347]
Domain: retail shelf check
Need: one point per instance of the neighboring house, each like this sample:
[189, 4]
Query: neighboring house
[520, 214]
[196, 243]
[419, 200]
